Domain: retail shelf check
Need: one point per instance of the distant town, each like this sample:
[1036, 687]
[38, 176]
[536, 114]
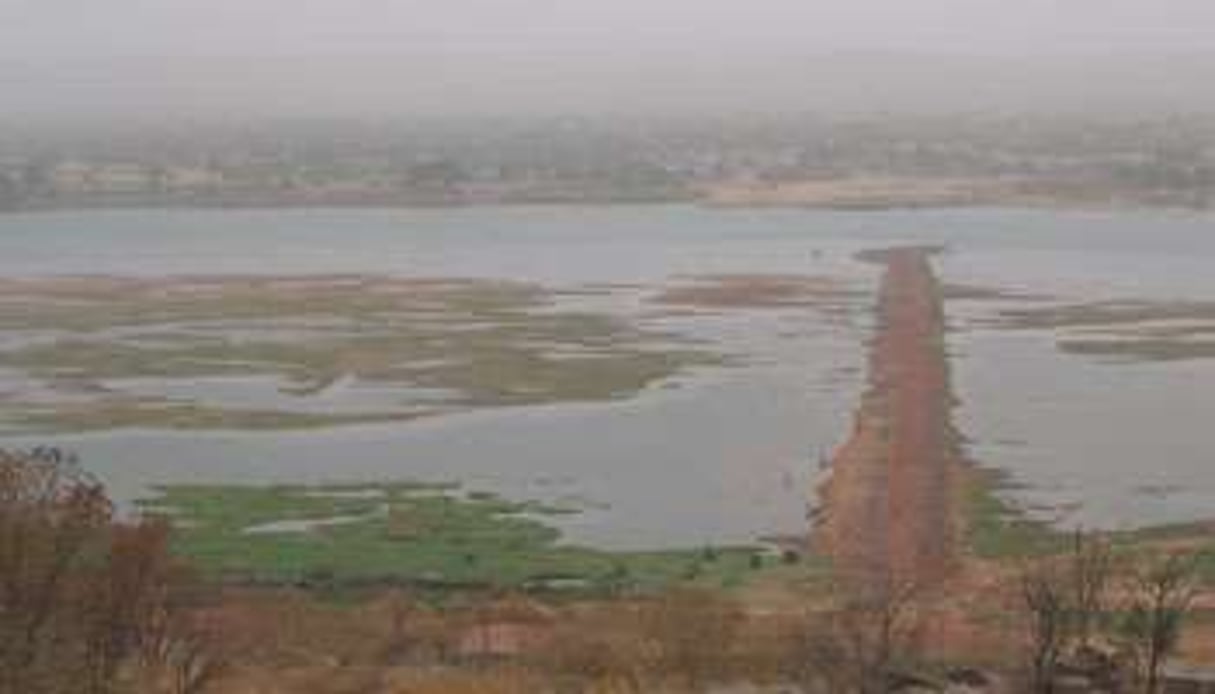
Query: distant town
[873, 162]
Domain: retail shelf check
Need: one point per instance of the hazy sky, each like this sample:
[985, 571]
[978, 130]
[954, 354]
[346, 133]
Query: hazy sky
[404, 56]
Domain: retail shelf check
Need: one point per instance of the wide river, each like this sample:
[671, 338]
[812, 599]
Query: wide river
[722, 455]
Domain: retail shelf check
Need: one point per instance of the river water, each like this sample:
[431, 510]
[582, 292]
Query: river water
[722, 454]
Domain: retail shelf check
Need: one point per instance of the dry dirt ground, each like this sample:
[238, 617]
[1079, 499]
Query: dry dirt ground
[889, 502]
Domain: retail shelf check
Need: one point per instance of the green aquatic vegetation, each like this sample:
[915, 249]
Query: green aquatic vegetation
[406, 532]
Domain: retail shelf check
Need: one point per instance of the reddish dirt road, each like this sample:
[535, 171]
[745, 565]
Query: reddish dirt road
[888, 507]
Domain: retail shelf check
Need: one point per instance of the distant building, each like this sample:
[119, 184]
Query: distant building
[80, 178]
[190, 179]
[71, 177]
[122, 179]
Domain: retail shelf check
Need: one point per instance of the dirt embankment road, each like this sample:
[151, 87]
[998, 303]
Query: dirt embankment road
[888, 514]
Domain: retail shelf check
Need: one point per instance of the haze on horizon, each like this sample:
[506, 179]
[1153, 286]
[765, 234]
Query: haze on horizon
[237, 59]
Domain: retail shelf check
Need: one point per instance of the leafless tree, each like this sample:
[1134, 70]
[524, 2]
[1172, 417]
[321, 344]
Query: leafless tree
[855, 647]
[1162, 590]
[1091, 568]
[179, 651]
[51, 516]
[79, 592]
[1066, 599]
[1045, 597]
[192, 661]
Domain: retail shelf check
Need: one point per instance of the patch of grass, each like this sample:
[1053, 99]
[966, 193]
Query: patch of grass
[415, 534]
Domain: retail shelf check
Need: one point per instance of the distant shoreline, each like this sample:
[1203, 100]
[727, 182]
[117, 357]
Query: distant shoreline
[859, 194]
[860, 209]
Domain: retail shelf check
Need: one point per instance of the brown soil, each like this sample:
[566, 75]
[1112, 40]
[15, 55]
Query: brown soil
[888, 507]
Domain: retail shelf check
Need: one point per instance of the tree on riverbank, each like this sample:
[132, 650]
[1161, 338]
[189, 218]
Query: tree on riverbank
[1161, 589]
[86, 602]
[1109, 618]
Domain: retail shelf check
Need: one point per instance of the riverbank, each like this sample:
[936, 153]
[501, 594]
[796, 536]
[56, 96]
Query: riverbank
[844, 193]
